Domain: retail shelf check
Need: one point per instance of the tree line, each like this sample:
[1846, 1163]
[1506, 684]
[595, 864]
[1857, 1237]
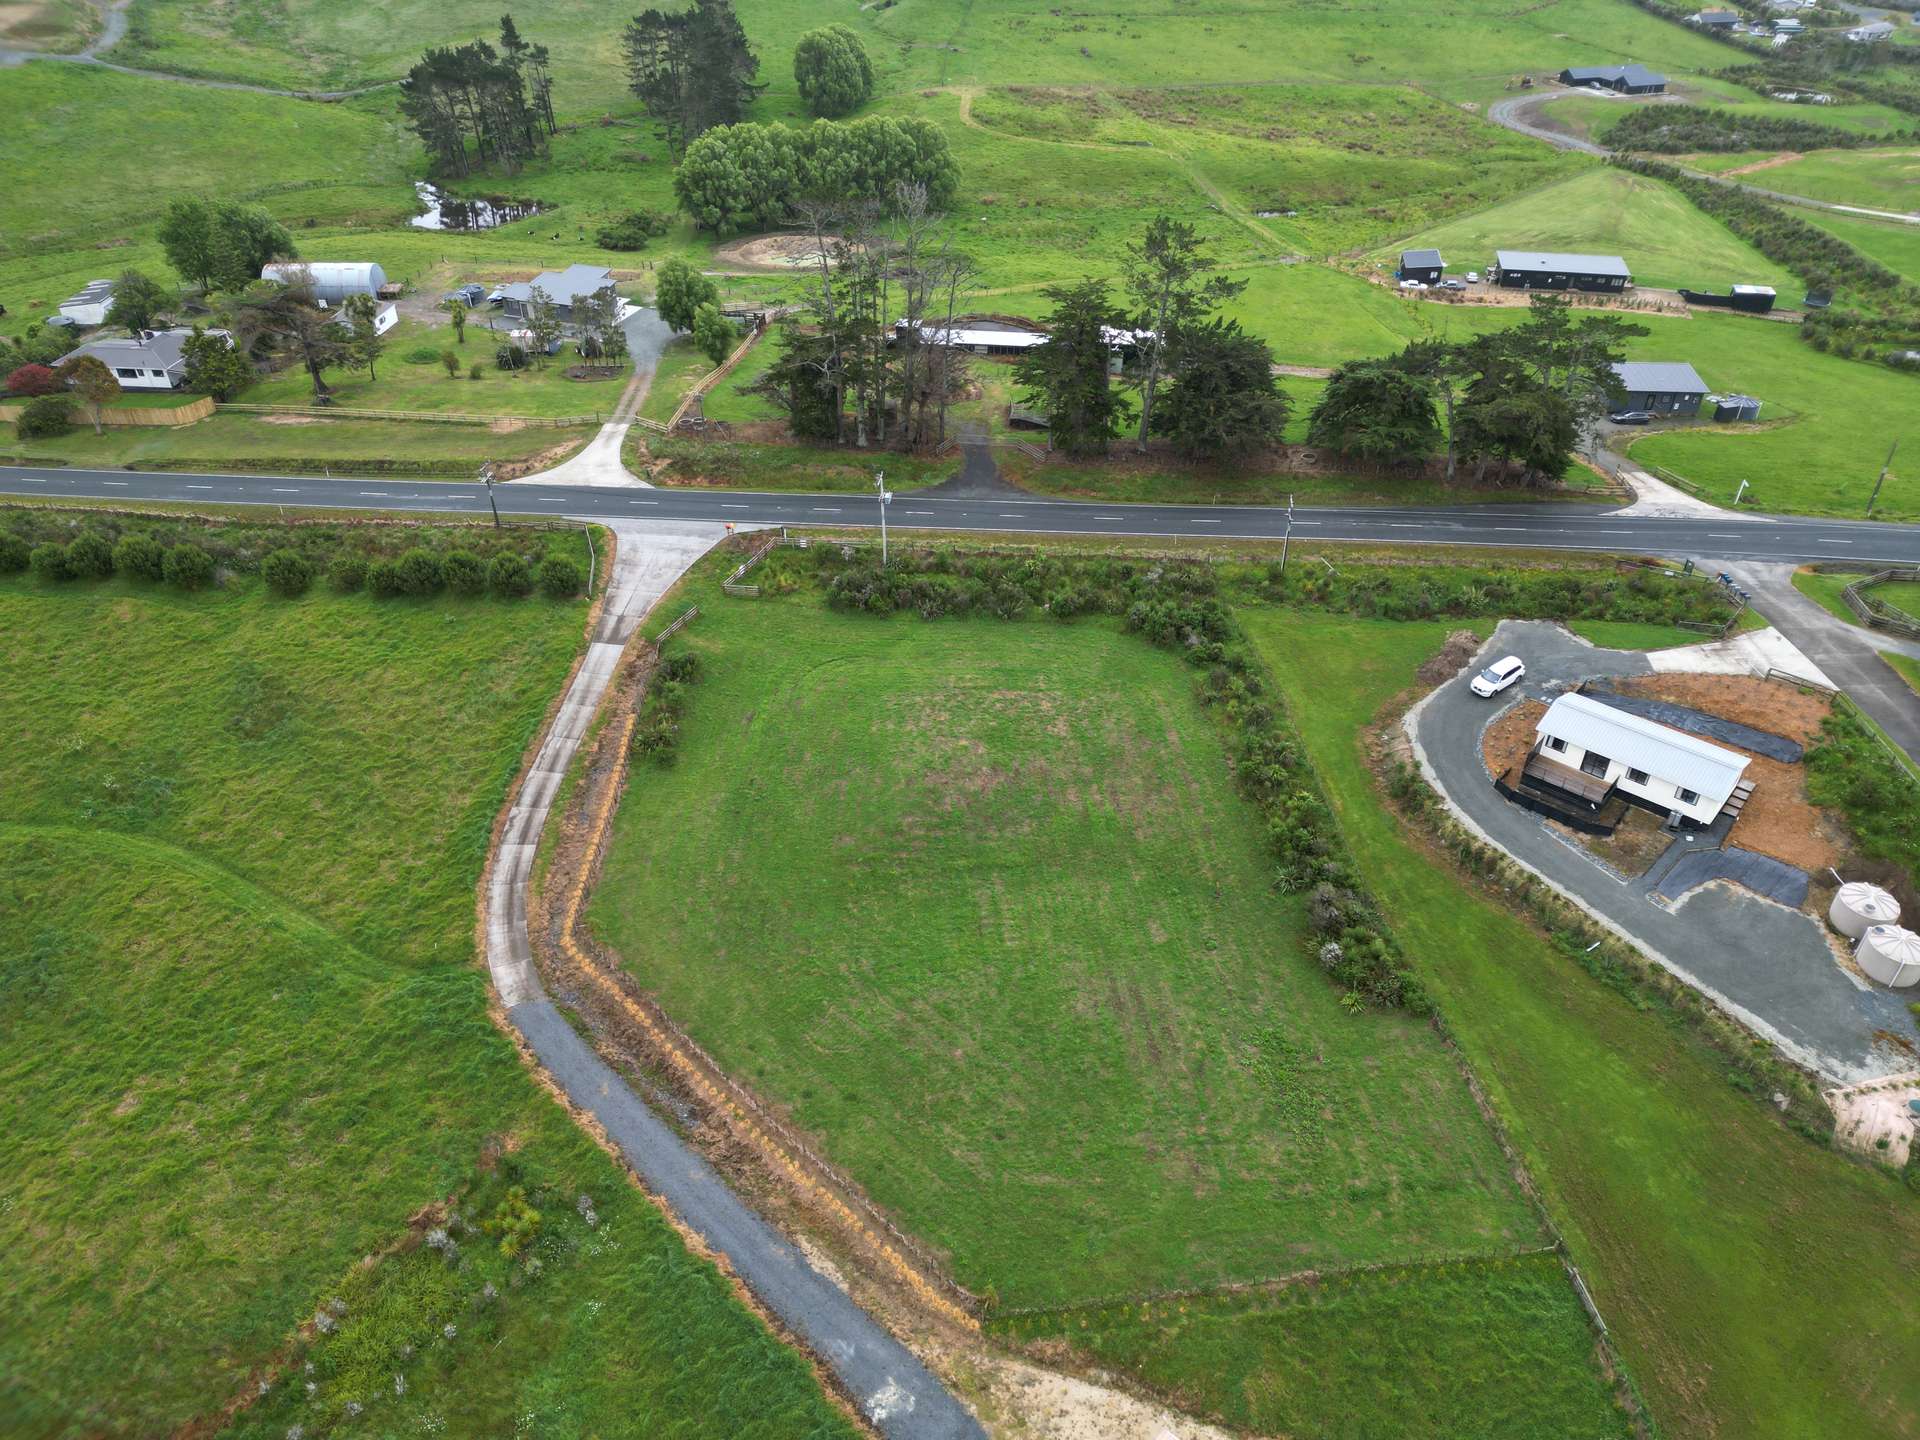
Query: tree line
[475, 107]
[755, 176]
[1692, 129]
[1517, 400]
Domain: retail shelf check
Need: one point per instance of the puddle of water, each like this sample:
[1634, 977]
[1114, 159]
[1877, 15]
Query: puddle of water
[453, 212]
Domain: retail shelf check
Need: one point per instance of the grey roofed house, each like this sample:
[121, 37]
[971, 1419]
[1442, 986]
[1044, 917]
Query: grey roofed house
[1632, 79]
[1554, 270]
[1666, 387]
[563, 287]
[1715, 18]
[1868, 34]
[151, 360]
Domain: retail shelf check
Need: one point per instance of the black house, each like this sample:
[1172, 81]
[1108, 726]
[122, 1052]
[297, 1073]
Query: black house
[1621, 79]
[1425, 266]
[1665, 387]
[1548, 270]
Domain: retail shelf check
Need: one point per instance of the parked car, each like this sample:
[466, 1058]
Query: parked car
[1413, 284]
[1453, 284]
[469, 294]
[1497, 676]
[1631, 417]
[1473, 277]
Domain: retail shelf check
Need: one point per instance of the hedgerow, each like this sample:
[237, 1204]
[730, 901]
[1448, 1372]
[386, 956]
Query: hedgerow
[1689, 129]
[656, 731]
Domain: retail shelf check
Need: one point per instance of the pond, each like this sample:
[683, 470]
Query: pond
[454, 212]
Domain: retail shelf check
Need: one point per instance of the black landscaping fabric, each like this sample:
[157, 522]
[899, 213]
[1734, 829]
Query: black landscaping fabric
[1707, 727]
[1761, 874]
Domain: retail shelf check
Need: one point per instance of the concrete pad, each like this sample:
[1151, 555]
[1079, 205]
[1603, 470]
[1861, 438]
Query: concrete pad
[598, 466]
[1753, 652]
[1656, 499]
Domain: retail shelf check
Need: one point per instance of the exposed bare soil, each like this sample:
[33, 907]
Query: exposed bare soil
[1785, 157]
[1509, 739]
[768, 252]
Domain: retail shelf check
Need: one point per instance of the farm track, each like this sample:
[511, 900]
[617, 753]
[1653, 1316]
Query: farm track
[1513, 111]
[115, 30]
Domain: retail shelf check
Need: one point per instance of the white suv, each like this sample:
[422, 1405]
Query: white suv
[1497, 676]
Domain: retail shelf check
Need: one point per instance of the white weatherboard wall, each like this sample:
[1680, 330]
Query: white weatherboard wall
[1663, 766]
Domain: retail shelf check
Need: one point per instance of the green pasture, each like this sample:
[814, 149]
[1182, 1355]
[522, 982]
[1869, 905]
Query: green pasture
[1027, 980]
[1875, 179]
[245, 1038]
[1755, 1283]
[1893, 244]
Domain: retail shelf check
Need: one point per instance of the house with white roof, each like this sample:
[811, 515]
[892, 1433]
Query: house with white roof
[1589, 750]
[1872, 33]
[90, 306]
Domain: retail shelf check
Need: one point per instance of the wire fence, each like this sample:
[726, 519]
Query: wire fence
[431, 417]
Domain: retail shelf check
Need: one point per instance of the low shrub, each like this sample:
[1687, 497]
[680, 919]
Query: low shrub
[45, 418]
[560, 578]
[33, 380]
[656, 731]
[632, 231]
[420, 573]
[347, 572]
[464, 573]
[510, 357]
[509, 578]
[422, 355]
[286, 572]
[90, 556]
[384, 580]
[189, 567]
[15, 554]
[49, 562]
[476, 371]
[140, 557]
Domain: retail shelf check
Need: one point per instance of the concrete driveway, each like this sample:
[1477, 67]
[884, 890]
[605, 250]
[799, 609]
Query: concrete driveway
[1765, 964]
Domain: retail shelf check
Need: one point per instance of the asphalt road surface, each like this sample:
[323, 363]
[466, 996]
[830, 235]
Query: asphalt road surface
[1550, 527]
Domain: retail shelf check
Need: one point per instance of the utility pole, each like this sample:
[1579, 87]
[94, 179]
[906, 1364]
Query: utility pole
[1873, 499]
[486, 478]
[880, 488]
[1286, 539]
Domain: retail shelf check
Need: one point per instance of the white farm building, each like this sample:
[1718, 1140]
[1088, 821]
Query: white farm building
[1590, 749]
[333, 280]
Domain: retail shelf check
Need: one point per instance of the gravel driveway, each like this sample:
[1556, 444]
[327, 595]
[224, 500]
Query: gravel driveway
[1766, 964]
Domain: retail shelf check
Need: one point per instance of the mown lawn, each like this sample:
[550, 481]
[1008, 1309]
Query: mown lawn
[245, 1038]
[1634, 635]
[975, 904]
[1756, 1284]
[411, 376]
[1811, 454]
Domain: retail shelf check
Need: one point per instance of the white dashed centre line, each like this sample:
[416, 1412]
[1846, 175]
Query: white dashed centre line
[113, 482]
[199, 487]
[826, 509]
[725, 506]
[1835, 542]
[1204, 522]
[1509, 529]
[1719, 535]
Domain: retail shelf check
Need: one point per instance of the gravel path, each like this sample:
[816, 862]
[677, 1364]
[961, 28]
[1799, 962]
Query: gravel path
[897, 1393]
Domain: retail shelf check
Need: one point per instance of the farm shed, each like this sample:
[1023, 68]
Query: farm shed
[1871, 34]
[1753, 299]
[1425, 266]
[333, 280]
[1630, 79]
[1666, 387]
[1590, 750]
[151, 360]
[1554, 270]
[1714, 19]
[90, 306]
[980, 339]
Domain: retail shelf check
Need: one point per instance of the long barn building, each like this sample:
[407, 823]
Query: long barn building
[1552, 270]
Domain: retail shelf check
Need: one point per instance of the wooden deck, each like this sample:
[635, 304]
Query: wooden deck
[1542, 771]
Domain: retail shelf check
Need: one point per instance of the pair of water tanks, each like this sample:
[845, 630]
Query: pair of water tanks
[1869, 916]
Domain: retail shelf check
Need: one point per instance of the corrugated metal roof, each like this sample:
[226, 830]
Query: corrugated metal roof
[1668, 376]
[93, 294]
[1660, 750]
[1553, 260]
[1422, 260]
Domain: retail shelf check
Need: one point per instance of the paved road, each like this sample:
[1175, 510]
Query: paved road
[1767, 964]
[1551, 527]
[1849, 654]
[897, 1393]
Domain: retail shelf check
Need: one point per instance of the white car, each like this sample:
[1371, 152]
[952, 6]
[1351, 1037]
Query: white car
[1473, 277]
[1413, 284]
[1497, 676]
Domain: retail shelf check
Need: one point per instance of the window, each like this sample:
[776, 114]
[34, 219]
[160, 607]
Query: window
[1687, 797]
[125, 373]
[1638, 777]
[1556, 744]
[1595, 765]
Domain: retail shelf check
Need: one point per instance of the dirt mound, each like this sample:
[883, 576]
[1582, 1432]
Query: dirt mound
[769, 252]
[1451, 658]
